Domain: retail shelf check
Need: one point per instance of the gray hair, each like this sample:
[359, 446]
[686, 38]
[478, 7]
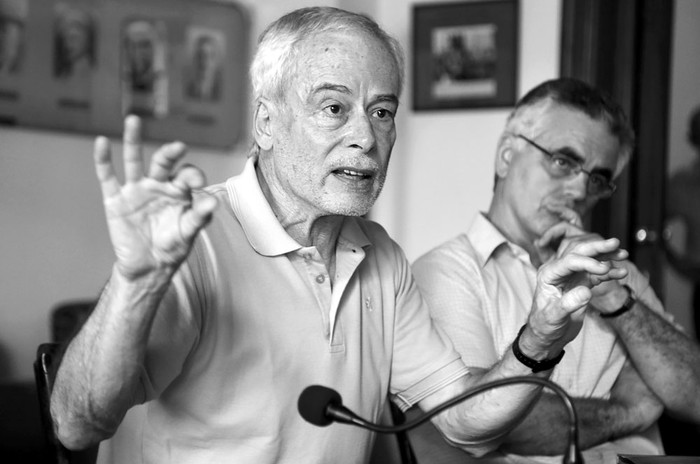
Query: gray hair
[578, 95]
[273, 64]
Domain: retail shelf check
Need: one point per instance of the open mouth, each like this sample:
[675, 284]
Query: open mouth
[352, 174]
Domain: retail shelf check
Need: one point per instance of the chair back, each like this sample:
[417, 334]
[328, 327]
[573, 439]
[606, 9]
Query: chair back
[48, 356]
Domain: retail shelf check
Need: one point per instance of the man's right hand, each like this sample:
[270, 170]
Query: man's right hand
[152, 218]
[564, 289]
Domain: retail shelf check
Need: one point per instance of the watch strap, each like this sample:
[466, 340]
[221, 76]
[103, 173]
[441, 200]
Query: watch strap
[627, 305]
[536, 366]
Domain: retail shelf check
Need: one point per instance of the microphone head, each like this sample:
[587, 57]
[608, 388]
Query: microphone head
[314, 401]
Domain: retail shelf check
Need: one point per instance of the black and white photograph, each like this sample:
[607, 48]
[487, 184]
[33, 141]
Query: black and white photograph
[13, 17]
[206, 51]
[144, 68]
[465, 54]
[75, 42]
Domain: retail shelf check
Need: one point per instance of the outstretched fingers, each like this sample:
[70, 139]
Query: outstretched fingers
[584, 257]
[133, 149]
[568, 268]
[164, 160]
[102, 155]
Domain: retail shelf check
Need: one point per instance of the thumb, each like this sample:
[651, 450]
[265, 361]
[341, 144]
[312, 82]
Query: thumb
[576, 298]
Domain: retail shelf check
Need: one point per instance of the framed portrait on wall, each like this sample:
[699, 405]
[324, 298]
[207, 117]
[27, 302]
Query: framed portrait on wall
[82, 65]
[465, 54]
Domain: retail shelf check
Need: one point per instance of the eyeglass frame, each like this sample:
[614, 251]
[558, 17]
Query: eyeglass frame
[577, 168]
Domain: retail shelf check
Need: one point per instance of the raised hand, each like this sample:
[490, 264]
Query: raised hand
[564, 289]
[152, 218]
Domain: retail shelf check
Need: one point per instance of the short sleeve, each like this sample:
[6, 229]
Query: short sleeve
[449, 279]
[424, 360]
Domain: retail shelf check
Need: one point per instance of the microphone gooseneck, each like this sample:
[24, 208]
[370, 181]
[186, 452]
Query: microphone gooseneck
[321, 405]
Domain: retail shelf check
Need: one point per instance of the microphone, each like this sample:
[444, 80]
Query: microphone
[321, 406]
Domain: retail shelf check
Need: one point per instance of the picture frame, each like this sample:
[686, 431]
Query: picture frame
[81, 66]
[465, 54]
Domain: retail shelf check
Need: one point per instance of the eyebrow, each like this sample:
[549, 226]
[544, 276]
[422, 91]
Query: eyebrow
[571, 153]
[391, 98]
[332, 87]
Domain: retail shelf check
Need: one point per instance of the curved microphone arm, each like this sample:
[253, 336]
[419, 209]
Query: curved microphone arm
[331, 409]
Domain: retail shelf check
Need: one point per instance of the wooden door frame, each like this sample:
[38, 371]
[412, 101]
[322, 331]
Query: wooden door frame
[624, 47]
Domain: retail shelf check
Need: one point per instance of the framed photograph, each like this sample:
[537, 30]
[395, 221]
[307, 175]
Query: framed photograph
[82, 65]
[465, 54]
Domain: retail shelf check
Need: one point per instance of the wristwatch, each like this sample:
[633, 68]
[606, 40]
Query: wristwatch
[626, 306]
[536, 366]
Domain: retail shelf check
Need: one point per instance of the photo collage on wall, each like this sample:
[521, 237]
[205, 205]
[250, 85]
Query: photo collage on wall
[82, 65]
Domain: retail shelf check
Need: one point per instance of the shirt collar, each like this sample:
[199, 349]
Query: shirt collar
[260, 225]
[487, 239]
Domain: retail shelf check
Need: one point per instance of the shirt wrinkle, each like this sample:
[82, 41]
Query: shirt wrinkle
[260, 342]
[483, 298]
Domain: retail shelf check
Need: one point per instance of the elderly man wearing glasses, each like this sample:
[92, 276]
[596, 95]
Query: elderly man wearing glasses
[562, 148]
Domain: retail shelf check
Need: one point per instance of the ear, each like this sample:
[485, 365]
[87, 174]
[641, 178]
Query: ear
[262, 125]
[504, 156]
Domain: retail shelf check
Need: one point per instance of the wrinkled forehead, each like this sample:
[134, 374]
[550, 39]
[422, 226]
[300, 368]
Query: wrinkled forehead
[346, 55]
[563, 127]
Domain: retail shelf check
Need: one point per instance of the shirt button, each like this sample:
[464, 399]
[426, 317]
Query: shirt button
[320, 278]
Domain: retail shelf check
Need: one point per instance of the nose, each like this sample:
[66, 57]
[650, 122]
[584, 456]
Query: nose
[576, 187]
[361, 133]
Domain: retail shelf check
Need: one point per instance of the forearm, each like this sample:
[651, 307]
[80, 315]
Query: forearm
[99, 377]
[667, 360]
[480, 424]
[545, 430]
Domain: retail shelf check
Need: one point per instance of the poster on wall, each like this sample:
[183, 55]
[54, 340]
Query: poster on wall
[82, 65]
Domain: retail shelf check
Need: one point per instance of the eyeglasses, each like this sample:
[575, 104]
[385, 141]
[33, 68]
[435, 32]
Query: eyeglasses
[561, 166]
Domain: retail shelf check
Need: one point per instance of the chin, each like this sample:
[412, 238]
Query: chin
[350, 203]
[351, 207]
[352, 210]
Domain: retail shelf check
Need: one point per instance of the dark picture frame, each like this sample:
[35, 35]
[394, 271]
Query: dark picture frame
[465, 54]
[81, 65]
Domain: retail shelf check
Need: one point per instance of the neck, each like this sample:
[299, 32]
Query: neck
[319, 231]
[507, 224]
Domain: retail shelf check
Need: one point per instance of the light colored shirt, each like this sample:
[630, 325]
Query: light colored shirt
[480, 288]
[252, 319]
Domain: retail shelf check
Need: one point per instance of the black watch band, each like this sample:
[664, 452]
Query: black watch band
[536, 366]
[628, 304]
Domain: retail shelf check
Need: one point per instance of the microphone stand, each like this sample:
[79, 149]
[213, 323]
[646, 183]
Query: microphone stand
[335, 411]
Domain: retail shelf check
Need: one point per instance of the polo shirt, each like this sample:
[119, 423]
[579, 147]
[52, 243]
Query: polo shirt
[251, 319]
[480, 289]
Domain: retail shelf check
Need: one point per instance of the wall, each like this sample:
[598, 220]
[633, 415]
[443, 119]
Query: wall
[54, 243]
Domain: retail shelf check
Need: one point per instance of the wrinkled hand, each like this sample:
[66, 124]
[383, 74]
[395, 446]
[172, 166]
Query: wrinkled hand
[641, 406]
[564, 289]
[152, 218]
[607, 296]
